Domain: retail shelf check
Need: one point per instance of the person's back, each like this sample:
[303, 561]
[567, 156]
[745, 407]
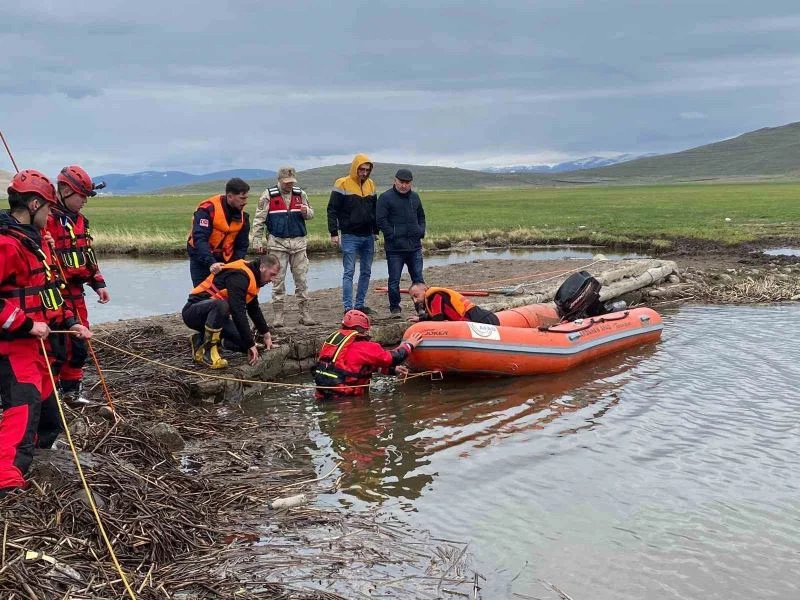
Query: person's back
[443, 304]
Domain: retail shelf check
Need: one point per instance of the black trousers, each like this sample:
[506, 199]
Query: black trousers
[198, 271]
[476, 314]
[214, 314]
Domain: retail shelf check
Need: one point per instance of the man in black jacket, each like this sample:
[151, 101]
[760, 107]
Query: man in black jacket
[351, 223]
[401, 218]
[218, 308]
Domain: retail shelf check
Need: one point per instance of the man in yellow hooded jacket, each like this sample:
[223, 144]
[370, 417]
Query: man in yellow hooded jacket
[352, 225]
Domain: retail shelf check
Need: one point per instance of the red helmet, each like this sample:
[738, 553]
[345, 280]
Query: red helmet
[355, 318]
[77, 180]
[31, 181]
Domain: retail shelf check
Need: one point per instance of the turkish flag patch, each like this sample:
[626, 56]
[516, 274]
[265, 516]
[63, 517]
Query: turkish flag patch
[203, 223]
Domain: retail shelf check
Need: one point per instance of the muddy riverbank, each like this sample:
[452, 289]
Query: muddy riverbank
[184, 482]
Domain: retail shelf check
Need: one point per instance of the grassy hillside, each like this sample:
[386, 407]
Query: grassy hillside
[772, 153]
[321, 179]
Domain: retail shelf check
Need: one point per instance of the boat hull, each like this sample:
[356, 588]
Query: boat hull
[476, 348]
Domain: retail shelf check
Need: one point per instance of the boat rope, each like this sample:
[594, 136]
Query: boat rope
[555, 274]
[433, 374]
[86, 487]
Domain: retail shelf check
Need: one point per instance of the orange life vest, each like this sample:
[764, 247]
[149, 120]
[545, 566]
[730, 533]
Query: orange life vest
[452, 305]
[207, 285]
[223, 234]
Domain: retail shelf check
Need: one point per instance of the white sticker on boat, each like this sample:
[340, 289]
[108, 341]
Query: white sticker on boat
[484, 331]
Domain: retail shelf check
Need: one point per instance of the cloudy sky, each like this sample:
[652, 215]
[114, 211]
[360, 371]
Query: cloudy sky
[123, 86]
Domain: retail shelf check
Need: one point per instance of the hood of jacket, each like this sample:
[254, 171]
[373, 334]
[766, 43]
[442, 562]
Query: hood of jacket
[359, 160]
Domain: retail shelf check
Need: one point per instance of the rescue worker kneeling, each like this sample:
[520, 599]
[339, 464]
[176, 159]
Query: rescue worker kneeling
[348, 359]
[218, 308]
[443, 304]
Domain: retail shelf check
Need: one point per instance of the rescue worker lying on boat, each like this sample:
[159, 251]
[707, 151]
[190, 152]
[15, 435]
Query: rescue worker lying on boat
[218, 308]
[443, 304]
[348, 359]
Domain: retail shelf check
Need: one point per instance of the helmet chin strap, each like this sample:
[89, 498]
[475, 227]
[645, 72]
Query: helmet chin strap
[33, 213]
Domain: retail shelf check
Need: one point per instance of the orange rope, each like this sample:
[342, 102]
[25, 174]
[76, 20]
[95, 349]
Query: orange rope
[88, 342]
[529, 275]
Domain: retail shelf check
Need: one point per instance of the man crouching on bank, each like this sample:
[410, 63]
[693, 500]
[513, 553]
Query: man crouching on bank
[218, 308]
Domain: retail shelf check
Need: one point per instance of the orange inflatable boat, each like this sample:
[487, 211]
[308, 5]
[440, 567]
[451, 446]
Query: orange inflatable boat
[529, 341]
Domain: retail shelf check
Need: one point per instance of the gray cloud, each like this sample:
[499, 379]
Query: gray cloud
[121, 86]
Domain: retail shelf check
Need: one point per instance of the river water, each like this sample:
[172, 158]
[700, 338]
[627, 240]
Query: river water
[668, 472]
[144, 287]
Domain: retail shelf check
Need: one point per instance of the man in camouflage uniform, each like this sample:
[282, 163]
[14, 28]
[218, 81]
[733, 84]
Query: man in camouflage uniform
[284, 210]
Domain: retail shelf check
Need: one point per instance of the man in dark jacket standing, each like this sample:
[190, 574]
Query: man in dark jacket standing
[401, 218]
[351, 223]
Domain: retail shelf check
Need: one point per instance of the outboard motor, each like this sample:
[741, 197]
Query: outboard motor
[579, 297]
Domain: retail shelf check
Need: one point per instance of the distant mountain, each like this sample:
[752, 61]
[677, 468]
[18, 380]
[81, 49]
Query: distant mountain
[320, 179]
[590, 162]
[150, 181]
[768, 154]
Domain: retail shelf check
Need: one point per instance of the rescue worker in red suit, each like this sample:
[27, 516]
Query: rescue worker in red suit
[443, 304]
[69, 230]
[220, 231]
[30, 304]
[348, 359]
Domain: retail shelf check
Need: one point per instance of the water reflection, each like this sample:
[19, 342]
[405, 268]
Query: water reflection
[385, 442]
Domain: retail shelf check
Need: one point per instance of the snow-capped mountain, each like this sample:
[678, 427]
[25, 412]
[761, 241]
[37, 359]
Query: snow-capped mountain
[590, 162]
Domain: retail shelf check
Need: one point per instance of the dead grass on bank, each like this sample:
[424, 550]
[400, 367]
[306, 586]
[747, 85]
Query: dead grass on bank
[748, 290]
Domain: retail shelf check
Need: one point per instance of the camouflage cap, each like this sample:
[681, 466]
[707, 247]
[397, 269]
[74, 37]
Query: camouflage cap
[287, 174]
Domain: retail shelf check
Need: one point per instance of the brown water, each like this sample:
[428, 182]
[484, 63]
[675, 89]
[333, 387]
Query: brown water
[671, 471]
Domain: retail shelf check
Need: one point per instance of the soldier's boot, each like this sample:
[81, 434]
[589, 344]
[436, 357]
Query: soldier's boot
[305, 315]
[208, 352]
[277, 308]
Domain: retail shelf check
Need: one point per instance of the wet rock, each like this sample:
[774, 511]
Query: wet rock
[168, 435]
[78, 429]
[81, 496]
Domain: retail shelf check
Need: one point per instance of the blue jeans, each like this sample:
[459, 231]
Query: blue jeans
[395, 262]
[362, 246]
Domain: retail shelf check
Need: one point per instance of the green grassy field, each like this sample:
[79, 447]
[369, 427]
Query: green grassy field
[608, 215]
